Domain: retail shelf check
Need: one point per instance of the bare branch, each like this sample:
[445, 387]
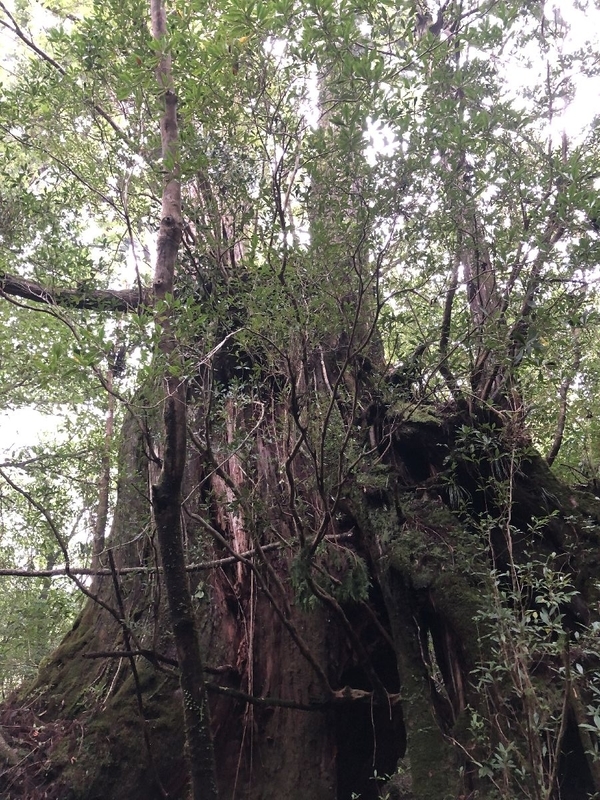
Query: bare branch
[445, 329]
[58, 572]
[563, 394]
[94, 300]
[61, 543]
[339, 697]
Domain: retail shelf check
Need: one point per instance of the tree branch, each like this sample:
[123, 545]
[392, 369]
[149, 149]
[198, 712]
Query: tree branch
[166, 491]
[342, 696]
[57, 572]
[95, 300]
[563, 394]
[17, 30]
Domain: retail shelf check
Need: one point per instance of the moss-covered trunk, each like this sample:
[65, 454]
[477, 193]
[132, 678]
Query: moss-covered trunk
[432, 641]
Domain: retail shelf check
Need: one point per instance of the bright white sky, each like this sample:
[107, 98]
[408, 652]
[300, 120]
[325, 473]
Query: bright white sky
[23, 427]
[579, 28]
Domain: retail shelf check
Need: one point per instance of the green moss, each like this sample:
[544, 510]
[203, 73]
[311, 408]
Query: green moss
[459, 603]
[419, 415]
[111, 758]
[61, 679]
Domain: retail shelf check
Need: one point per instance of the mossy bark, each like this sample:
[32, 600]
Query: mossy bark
[418, 626]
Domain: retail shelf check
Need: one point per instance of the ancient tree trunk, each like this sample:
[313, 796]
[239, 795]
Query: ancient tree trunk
[315, 692]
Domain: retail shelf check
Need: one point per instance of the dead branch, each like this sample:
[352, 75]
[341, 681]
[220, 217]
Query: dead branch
[563, 395]
[58, 572]
[338, 697]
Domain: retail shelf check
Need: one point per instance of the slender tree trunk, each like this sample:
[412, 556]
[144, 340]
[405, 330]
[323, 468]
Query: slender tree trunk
[104, 481]
[166, 491]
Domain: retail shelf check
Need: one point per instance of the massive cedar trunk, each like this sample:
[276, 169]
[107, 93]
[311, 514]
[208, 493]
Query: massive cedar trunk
[376, 679]
[382, 587]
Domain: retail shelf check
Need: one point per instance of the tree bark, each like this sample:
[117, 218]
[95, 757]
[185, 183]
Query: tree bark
[166, 491]
[124, 300]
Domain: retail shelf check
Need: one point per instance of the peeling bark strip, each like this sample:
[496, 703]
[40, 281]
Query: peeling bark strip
[166, 493]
